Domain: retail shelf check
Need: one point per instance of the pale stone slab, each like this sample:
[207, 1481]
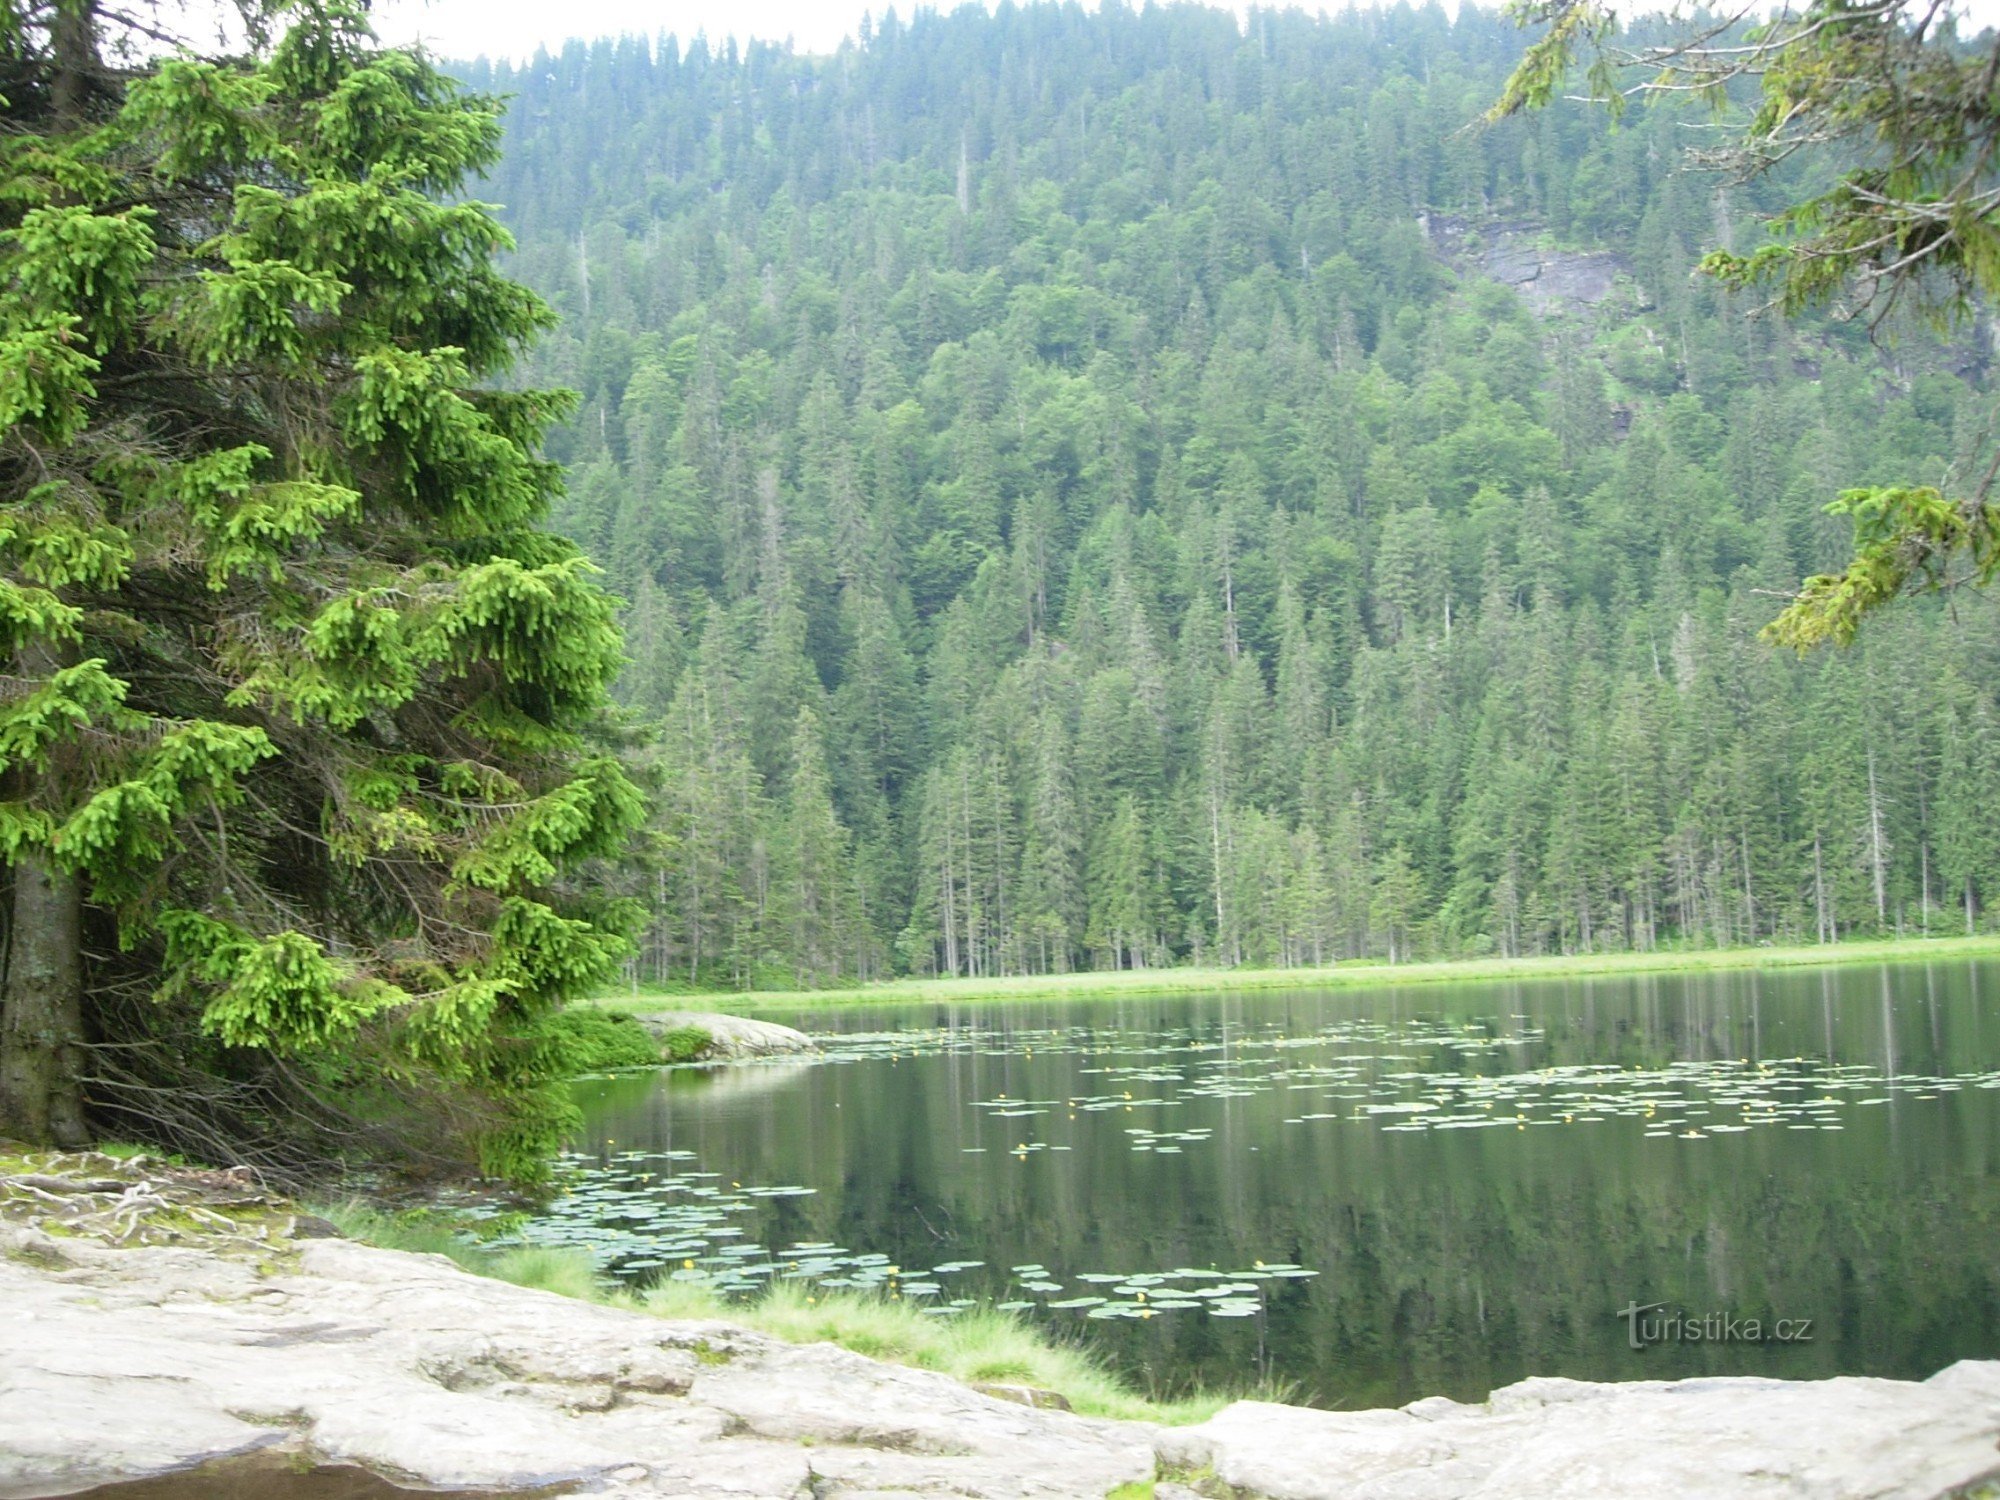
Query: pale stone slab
[1550, 1439]
[732, 1036]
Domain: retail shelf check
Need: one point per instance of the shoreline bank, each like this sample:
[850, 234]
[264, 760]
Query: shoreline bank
[1355, 974]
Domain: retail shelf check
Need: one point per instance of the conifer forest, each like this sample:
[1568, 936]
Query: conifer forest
[1120, 489]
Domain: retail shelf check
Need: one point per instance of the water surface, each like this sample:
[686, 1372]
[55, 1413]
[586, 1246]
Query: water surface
[1371, 1195]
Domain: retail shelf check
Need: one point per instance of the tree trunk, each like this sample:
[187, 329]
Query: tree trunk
[41, 1030]
[1877, 856]
[1819, 891]
[1925, 850]
[73, 38]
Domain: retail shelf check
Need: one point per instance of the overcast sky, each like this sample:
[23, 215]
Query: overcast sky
[514, 28]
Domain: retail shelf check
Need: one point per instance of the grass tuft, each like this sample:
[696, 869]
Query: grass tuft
[980, 1345]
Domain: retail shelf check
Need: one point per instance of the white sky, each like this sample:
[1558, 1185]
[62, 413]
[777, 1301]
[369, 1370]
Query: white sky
[514, 28]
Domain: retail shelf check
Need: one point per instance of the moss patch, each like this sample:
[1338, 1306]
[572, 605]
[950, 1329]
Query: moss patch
[685, 1044]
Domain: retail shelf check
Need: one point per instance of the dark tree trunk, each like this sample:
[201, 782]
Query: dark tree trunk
[41, 994]
[41, 1026]
[73, 38]
[41, 997]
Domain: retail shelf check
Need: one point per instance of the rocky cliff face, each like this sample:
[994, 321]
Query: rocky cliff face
[139, 1340]
[1512, 252]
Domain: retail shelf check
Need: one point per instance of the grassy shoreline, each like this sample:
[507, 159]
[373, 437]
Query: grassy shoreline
[1356, 974]
[981, 1346]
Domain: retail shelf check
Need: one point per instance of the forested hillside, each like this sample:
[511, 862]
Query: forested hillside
[1081, 505]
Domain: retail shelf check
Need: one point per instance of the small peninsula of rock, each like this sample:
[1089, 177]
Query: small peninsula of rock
[730, 1037]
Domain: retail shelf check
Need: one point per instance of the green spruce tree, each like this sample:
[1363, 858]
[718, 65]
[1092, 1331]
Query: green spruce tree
[291, 732]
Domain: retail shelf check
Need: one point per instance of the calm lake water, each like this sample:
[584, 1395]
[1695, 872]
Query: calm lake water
[1371, 1195]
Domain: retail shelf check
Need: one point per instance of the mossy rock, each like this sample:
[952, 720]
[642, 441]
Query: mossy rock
[722, 1037]
[686, 1044]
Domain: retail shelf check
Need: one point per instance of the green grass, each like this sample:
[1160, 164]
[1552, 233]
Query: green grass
[1354, 974]
[980, 1345]
[428, 1232]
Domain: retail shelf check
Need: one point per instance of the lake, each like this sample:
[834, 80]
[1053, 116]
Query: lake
[1368, 1196]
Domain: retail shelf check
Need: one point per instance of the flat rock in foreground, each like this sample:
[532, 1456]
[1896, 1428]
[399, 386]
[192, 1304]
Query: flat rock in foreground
[128, 1362]
[1549, 1439]
[120, 1362]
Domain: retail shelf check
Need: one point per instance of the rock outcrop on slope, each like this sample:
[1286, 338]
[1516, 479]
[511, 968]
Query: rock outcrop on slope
[1552, 280]
[125, 1354]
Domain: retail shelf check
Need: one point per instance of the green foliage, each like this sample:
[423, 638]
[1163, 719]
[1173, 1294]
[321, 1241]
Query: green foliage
[979, 1345]
[302, 688]
[602, 1040]
[56, 708]
[1902, 535]
[430, 1231]
[1568, 27]
[44, 378]
[121, 828]
[281, 993]
[82, 269]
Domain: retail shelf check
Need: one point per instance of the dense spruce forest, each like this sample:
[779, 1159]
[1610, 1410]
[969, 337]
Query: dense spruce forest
[1083, 502]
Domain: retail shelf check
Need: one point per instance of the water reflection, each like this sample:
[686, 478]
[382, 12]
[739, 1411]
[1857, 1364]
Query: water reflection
[1479, 1176]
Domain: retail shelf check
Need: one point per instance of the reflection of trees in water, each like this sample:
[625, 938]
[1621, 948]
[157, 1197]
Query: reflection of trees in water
[1450, 1262]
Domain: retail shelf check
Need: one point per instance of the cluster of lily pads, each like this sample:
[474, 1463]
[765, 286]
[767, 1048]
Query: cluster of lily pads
[652, 1215]
[1220, 1294]
[1685, 1100]
[1369, 1080]
[641, 1221]
[645, 1217]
